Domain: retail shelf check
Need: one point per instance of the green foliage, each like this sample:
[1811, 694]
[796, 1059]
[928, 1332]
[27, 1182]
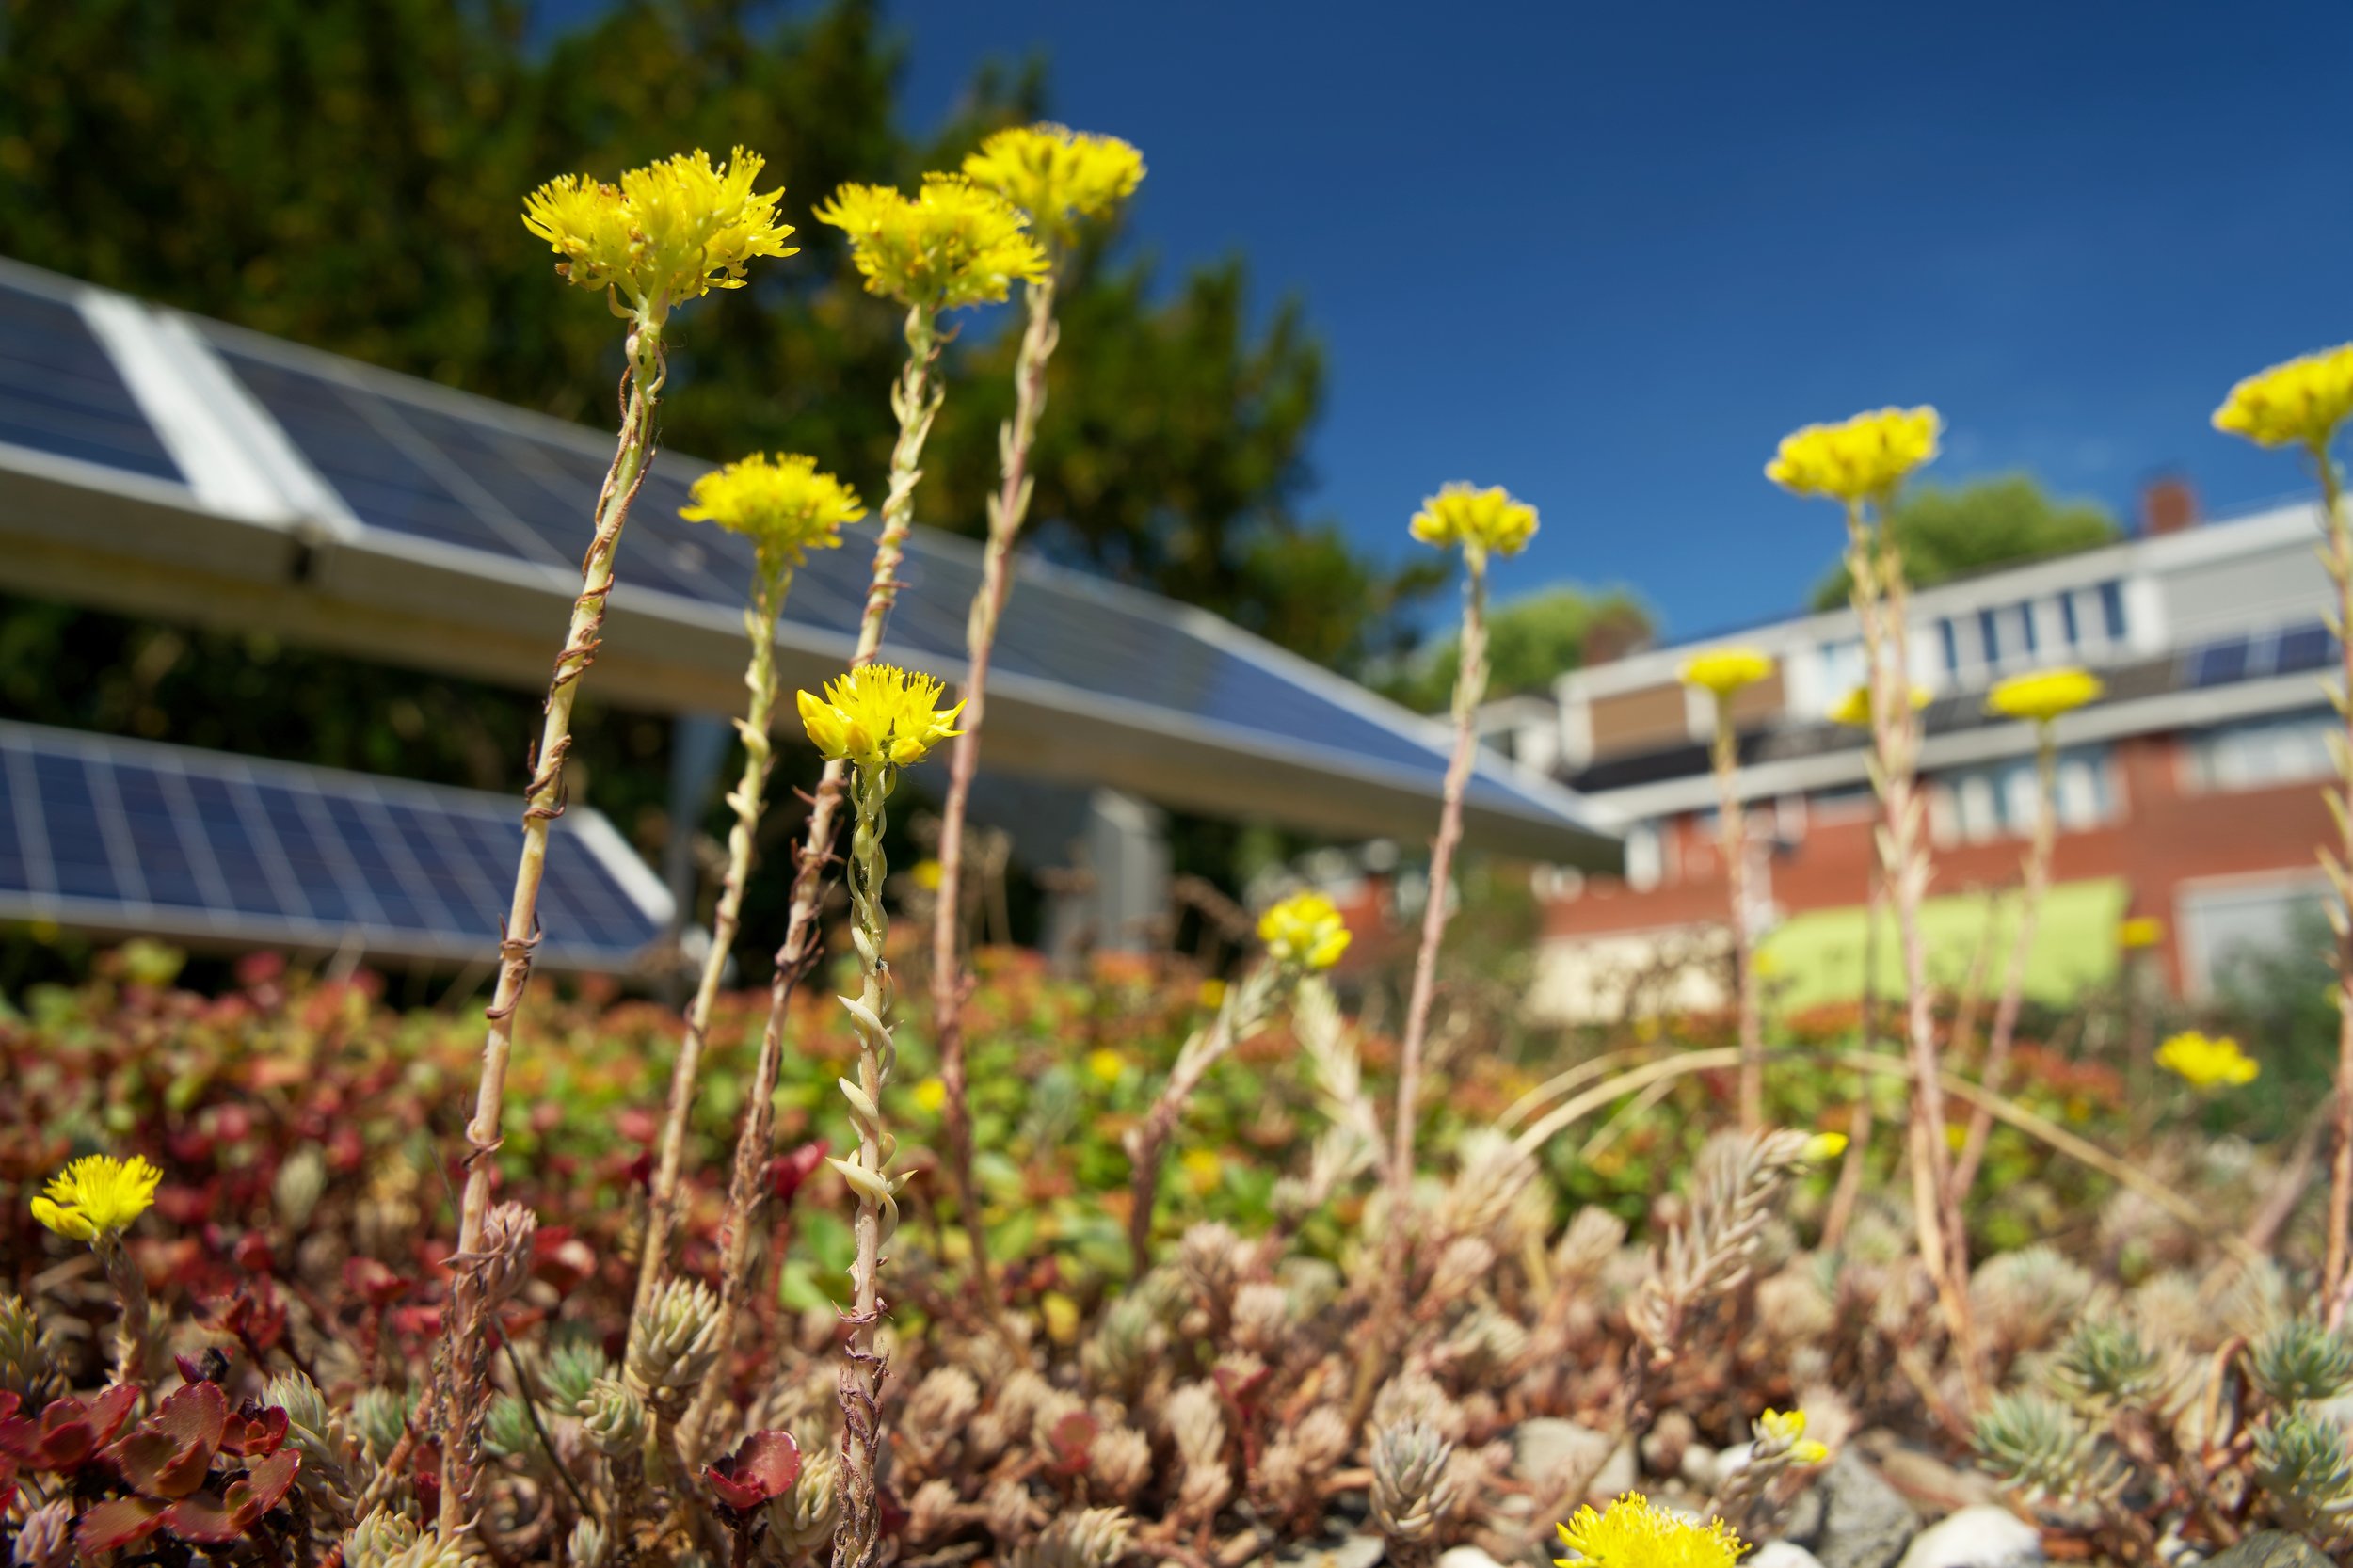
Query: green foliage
[2304, 1462]
[2300, 1361]
[2280, 1000]
[2106, 1361]
[1531, 641]
[2037, 1446]
[1950, 531]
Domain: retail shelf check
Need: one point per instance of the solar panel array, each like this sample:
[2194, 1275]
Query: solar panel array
[412, 466]
[62, 395]
[2300, 648]
[132, 835]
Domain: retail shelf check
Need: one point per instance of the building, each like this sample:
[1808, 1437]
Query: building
[2188, 792]
[159, 465]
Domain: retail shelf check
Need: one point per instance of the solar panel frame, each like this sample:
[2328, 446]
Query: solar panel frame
[138, 836]
[61, 395]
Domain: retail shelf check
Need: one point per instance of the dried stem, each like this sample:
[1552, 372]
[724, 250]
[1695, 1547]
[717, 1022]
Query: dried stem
[1853, 1163]
[1006, 510]
[467, 1334]
[916, 401]
[1240, 1015]
[2036, 884]
[867, 1172]
[1876, 567]
[770, 584]
[2338, 556]
[1731, 820]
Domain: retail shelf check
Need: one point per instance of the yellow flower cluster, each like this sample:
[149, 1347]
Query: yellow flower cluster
[2044, 694]
[2140, 931]
[1788, 1426]
[1635, 1532]
[2207, 1064]
[1305, 929]
[668, 233]
[1726, 670]
[97, 1196]
[951, 244]
[1477, 519]
[1862, 458]
[879, 716]
[1854, 709]
[1821, 1146]
[1057, 175]
[783, 504]
[2300, 403]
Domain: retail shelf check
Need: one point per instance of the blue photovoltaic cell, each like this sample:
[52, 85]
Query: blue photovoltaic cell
[414, 466]
[2219, 663]
[2304, 647]
[130, 835]
[59, 393]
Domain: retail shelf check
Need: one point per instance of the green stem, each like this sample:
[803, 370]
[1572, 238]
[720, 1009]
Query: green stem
[915, 400]
[1007, 509]
[467, 1341]
[867, 1172]
[771, 583]
[2037, 878]
[2336, 1286]
[1731, 823]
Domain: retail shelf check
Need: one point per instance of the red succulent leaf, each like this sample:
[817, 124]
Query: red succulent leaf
[254, 1433]
[9, 1401]
[374, 1282]
[787, 1172]
[59, 1438]
[273, 1478]
[7, 1483]
[762, 1468]
[114, 1525]
[210, 1520]
[1070, 1439]
[111, 1408]
[170, 1454]
[254, 1254]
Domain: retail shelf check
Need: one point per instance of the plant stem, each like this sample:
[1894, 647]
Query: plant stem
[770, 583]
[1732, 822]
[916, 401]
[1852, 1167]
[1876, 567]
[867, 1172]
[2338, 556]
[1007, 509]
[467, 1339]
[2037, 878]
[1240, 1016]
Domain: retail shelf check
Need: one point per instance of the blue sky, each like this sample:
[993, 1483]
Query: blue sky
[1605, 255]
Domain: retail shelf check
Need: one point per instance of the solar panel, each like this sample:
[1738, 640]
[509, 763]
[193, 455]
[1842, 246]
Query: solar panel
[2219, 663]
[61, 392]
[424, 467]
[2304, 647]
[130, 835]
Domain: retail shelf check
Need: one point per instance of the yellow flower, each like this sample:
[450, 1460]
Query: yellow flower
[2044, 694]
[670, 232]
[1055, 175]
[1822, 1147]
[2207, 1064]
[1477, 519]
[1726, 670]
[1854, 709]
[1636, 1533]
[927, 875]
[1305, 929]
[1788, 1428]
[1203, 1169]
[1106, 1063]
[97, 1196]
[783, 504]
[1862, 458]
[1212, 993]
[2141, 931]
[1956, 1137]
[2301, 401]
[953, 242]
[932, 1094]
[879, 716]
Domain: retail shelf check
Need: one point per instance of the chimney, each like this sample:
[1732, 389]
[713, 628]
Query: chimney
[2167, 506]
[1614, 633]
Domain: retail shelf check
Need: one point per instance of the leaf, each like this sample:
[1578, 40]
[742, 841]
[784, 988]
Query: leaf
[112, 1525]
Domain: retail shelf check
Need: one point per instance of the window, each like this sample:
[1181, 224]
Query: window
[2112, 609]
[1642, 858]
[2067, 619]
[1952, 645]
[1976, 804]
[2026, 625]
[1842, 802]
[1990, 636]
[2251, 754]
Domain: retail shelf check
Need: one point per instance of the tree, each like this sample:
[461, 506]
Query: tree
[1950, 531]
[1531, 641]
